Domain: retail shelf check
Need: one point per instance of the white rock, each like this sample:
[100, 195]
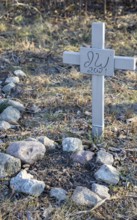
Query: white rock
[27, 151]
[7, 88]
[25, 183]
[104, 157]
[101, 190]
[47, 142]
[10, 114]
[58, 193]
[13, 79]
[108, 174]
[82, 157]
[71, 144]
[8, 165]
[4, 125]
[19, 73]
[16, 105]
[84, 196]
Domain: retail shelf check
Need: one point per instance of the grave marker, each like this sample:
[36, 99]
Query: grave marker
[99, 62]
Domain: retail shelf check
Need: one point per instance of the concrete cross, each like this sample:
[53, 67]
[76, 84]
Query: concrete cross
[99, 62]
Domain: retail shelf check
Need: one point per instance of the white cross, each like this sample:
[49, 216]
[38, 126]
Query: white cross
[99, 62]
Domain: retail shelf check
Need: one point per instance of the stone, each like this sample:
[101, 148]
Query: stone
[9, 165]
[7, 88]
[25, 183]
[47, 212]
[82, 157]
[48, 143]
[4, 125]
[58, 193]
[107, 174]
[27, 151]
[31, 139]
[104, 157]
[19, 73]
[71, 144]
[101, 190]
[13, 79]
[84, 196]
[16, 105]
[10, 114]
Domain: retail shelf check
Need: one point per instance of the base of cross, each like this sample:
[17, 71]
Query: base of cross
[99, 62]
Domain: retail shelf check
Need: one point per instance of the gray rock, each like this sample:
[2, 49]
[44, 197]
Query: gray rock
[4, 125]
[84, 196]
[101, 190]
[11, 115]
[27, 151]
[47, 212]
[25, 183]
[16, 105]
[58, 193]
[104, 157]
[47, 142]
[107, 174]
[71, 144]
[7, 88]
[19, 73]
[13, 79]
[82, 157]
[31, 139]
[8, 165]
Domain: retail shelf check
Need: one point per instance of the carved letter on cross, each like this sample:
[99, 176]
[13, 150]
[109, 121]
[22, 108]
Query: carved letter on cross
[99, 62]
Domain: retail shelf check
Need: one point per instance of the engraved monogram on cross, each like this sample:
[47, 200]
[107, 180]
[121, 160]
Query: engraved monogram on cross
[99, 62]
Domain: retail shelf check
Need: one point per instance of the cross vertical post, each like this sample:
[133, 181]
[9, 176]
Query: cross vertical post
[98, 41]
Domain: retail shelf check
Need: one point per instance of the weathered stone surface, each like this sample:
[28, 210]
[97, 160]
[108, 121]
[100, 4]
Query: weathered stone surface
[27, 151]
[104, 157]
[71, 144]
[107, 174]
[84, 196]
[8, 165]
[4, 125]
[16, 105]
[101, 191]
[19, 73]
[7, 88]
[10, 114]
[31, 139]
[82, 157]
[58, 193]
[25, 183]
[13, 79]
[47, 142]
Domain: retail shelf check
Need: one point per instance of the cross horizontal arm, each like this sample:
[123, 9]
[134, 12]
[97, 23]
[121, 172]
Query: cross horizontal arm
[123, 63]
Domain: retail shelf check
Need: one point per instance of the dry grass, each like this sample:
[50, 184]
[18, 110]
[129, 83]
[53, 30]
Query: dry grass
[64, 97]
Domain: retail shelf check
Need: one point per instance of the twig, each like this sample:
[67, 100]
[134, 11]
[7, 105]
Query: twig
[100, 203]
[27, 6]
